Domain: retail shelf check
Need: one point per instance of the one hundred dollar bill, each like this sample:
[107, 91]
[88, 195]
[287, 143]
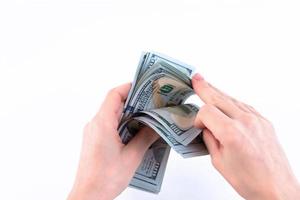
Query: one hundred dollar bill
[156, 99]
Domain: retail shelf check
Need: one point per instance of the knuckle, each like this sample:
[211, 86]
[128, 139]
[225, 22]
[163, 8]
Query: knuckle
[249, 120]
[207, 108]
[231, 126]
[269, 124]
[233, 140]
[232, 137]
[250, 107]
[234, 100]
[215, 98]
[253, 110]
[206, 86]
[204, 110]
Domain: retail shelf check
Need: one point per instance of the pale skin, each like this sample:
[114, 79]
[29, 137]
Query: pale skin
[241, 142]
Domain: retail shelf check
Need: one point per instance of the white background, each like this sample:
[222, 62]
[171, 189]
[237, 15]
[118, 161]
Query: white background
[58, 58]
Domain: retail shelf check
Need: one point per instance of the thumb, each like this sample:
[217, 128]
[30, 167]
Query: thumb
[198, 84]
[138, 146]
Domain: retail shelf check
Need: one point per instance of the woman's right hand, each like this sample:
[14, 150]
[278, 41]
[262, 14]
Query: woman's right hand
[243, 146]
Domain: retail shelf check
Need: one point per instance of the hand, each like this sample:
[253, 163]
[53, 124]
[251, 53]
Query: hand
[243, 146]
[106, 164]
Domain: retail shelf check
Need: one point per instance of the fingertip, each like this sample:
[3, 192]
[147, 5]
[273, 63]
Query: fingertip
[198, 77]
[125, 87]
[112, 105]
[197, 82]
[128, 84]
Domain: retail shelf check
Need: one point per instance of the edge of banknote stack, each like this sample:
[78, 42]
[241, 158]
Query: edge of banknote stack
[156, 99]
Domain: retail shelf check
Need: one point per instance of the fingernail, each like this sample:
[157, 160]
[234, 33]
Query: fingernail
[198, 77]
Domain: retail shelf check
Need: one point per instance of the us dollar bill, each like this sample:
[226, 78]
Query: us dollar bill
[149, 174]
[156, 99]
[178, 120]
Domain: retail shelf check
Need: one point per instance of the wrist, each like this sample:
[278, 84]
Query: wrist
[276, 190]
[89, 192]
[288, 190]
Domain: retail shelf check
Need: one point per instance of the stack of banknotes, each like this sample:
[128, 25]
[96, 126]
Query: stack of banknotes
[156, 99]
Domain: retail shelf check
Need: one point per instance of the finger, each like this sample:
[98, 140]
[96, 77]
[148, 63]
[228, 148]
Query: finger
[243, 106]
[137, 147]
[113, 103]
[211, 142]
[212, 118]
[211, 96]
[236, 102]
[255, 112]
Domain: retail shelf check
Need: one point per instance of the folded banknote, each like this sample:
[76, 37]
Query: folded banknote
[156, 99]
